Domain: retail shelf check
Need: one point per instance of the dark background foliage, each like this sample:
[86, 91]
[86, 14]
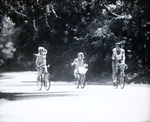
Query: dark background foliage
[67, 27]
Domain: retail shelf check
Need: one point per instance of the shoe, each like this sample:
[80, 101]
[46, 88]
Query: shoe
[38, 79]
[114, 84]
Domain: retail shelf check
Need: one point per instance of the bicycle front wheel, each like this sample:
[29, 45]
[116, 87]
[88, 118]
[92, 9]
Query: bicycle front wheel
[122, 81]
[39, 83]
[117, 81]
[76, 82]
[47, 82]
[82, 81]
[116, 85]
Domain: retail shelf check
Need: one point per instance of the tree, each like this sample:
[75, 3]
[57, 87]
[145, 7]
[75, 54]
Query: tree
[6, 39]
[66, 27]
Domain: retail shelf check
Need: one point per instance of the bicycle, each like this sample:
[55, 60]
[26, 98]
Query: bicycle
[120, 75]
[44, 79]
[80, 80]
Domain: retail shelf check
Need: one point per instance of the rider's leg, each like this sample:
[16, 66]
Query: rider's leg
[76, 75]
[116, 73]
[123, 70]
[113, 71]
[39, 72]
[45, 68]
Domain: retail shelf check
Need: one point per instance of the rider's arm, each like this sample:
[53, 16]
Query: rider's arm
[113, 53]
[74, 62]
[123, 56]
[116, 61]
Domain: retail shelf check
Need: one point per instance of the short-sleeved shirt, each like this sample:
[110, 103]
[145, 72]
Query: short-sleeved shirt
[78, 62]
[118, 56]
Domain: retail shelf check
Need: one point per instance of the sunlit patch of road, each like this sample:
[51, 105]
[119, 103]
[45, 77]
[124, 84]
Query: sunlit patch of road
[22, 102]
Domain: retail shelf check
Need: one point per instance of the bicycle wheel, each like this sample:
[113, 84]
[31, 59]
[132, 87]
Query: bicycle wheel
[116, 85]
[77, 82]
[47, 82]
[39, 83]
[82, 81]
[122, 80]
[117, 81]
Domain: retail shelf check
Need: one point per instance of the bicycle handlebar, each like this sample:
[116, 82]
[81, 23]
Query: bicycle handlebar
[48, 65]
[122, 65]
[44, 65]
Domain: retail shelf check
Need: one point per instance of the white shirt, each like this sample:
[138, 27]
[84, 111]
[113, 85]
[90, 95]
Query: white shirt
[78, 62]
[118, 56]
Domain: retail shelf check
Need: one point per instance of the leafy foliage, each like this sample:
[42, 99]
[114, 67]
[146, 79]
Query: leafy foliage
[66, 27]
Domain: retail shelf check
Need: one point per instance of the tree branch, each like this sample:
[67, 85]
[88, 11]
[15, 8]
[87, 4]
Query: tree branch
[34, 24]
[54, 12]
[16, 10]
[20, 13]
[112, 14]
[46, 19]
[115, 15]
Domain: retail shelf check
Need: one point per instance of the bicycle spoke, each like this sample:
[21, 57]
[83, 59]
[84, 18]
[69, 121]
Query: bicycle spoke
[47, 81]
[122, 81]
[82, 82]
[39, 83]
[77, 82]
[117, 81]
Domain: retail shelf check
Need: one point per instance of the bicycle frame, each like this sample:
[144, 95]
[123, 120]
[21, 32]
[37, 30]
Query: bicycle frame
[120, 76]
[44, 80]
[80, 81]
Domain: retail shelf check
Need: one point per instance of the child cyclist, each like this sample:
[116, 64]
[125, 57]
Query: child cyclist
[41, 61]
[79, 65]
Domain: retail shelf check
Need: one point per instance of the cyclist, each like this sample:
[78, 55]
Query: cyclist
[79, 62]
[118, 56]
[41, 61]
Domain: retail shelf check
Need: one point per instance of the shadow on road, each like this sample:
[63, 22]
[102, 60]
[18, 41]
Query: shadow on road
[37, 95]
[5, 77]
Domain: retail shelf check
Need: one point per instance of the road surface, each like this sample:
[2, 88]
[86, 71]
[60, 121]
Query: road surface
[22, 102]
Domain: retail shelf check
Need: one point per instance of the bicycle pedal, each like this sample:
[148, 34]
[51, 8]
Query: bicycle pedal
[114, 84]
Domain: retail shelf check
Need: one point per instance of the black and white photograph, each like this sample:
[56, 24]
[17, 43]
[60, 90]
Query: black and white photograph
[74, 61]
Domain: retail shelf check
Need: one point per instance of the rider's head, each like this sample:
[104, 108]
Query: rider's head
[123, 44]
[41, 49]
[81, 55]
[117, 45]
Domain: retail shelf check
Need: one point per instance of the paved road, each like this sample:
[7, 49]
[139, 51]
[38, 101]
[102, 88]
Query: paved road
[22, 102]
